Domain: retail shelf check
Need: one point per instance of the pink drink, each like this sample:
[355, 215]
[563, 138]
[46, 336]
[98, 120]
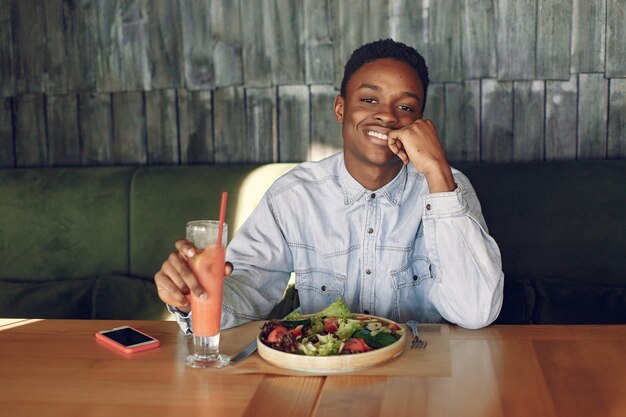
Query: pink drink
[208, 266]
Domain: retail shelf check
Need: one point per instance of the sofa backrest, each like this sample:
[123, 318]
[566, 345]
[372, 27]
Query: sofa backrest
[560, 219]
[65, 223]
[164, 199]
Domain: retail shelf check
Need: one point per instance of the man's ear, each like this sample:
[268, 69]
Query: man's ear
[338, 107]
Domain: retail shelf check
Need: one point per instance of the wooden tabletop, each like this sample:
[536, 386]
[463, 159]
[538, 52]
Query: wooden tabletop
[56, 368]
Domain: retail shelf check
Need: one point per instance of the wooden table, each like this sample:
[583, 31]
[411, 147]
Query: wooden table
[56, 368]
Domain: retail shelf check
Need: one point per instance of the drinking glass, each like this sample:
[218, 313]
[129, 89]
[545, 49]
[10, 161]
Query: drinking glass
[208, 266]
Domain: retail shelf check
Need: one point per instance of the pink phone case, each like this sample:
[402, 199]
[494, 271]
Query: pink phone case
[149, 345]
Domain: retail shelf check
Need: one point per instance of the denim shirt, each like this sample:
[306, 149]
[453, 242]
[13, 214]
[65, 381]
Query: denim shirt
[398, 252]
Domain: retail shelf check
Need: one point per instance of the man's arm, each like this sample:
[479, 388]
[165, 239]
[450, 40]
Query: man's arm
[465, 259]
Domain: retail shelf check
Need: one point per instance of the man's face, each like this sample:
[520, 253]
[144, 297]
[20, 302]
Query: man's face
[383, 95]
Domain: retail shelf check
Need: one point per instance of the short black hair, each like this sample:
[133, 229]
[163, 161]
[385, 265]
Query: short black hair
[386, 48]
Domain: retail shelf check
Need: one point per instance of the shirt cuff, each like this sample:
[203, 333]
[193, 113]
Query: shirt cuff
[444, 204]
[183, 319]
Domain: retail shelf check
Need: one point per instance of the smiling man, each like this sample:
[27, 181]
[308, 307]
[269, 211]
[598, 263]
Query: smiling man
[386, 224]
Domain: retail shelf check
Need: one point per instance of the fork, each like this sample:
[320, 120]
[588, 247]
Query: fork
[417, 342]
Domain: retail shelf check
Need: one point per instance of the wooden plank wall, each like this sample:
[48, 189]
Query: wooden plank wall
[133, 82]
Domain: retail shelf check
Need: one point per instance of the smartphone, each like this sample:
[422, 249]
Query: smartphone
[127, 339]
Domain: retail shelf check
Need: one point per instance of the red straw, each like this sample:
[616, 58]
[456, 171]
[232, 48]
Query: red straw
[220, 228]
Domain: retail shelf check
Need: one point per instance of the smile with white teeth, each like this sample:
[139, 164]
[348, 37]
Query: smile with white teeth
[377, 135]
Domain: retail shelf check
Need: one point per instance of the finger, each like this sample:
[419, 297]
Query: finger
[169, 292]
[185, 248]
[397, 147]
[181, 269]
[172, 268]
[228, 268]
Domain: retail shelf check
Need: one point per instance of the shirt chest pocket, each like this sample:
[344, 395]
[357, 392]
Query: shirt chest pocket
[317, 288]
[411, 285]
[412, 274]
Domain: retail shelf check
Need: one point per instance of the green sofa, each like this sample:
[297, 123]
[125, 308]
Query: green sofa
[86, 242]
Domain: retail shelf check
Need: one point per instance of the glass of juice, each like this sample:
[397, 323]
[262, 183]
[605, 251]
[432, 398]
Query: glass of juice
[208, 267]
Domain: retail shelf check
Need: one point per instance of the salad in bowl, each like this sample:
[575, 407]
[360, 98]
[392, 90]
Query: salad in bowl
[331, 332]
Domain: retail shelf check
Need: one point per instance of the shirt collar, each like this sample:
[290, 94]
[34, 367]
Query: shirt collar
[352, 190]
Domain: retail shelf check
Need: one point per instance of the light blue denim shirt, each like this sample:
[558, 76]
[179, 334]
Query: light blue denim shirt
[398, 252]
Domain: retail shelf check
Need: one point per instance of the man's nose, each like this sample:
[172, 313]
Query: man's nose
[386, 114]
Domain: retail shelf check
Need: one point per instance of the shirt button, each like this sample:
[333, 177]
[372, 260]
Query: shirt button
[427, 206]
[414, 277]
[373, 195]
[323, 287]
[370, 230]
[368, 271]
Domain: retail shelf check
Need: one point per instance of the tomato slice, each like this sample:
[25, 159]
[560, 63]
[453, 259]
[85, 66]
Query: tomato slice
[331, 324]
[393, 327]
[276, 334]
[355, 345]
[296, 331]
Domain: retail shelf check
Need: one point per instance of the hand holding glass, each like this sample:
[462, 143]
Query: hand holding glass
[208, 267]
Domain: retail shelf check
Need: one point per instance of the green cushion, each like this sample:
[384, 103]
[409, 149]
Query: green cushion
[61, 299]
[164, 199]
[127, 298]
[519, 301]
[564, 219]
[65, 223]
[563, 301]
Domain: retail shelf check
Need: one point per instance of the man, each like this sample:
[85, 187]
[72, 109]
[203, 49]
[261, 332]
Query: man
[386, 224]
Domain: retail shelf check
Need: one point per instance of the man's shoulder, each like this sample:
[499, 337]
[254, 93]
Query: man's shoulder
[309, 172]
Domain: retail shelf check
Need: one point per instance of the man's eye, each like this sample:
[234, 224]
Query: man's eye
[407, 108]
[368, 100]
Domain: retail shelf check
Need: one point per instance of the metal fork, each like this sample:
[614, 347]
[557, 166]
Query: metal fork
[417, 342]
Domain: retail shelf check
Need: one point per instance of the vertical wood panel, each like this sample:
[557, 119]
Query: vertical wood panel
[497, 121]
[554, 29]
[435, 109]
[408, 23]
[230, 125]
[30, 131]
[445, 41]
[7, 157]
[377, 23]
[162, 127]
[63, 135]
[55, 61]
[129, 128]
[515, 30]
[123, 36]
[616, 39]
[617, 119]
[560, 139]
[528, 120]
[293, 123]
[30, 46]
[165, 43]
[81, 44]
[7, 60]
[257, 69]
[462, 121]
[588, 36]
[479, 39]
[319, 48]
[261, 125]
[357, 23]
[286, 43]
[326, 136]
[195, 110]
[197, 44]
[227, 38]
[95, 122]
[124, 45]
[592, 116]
